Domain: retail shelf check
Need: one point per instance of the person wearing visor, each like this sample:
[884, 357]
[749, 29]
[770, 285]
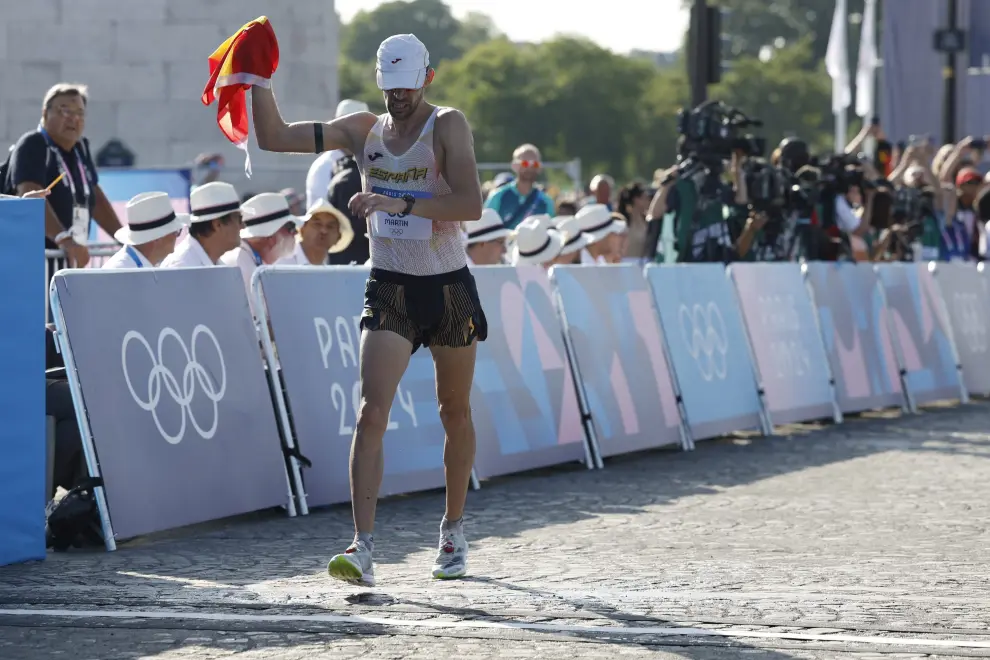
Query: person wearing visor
[421, 181]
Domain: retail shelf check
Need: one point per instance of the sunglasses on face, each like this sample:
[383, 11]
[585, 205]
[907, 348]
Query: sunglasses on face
[529, 164]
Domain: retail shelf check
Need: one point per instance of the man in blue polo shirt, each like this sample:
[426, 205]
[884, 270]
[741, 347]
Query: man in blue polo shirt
[522, 198]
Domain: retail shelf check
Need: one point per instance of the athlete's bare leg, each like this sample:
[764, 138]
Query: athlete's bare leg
[455, 374]
[384, 358]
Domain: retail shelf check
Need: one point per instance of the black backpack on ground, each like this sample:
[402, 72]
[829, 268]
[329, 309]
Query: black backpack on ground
[74, 521]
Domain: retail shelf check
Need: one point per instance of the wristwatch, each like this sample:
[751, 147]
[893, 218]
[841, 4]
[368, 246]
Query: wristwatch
[410, 201]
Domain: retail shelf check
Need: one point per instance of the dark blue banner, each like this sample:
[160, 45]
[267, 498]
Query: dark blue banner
[22, 388]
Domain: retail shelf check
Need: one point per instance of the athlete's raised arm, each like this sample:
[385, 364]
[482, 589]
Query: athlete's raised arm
[460, 171]
[303, 137]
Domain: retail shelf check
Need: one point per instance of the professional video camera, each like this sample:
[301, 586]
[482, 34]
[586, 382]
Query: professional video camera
[767, 187]
[710, 134]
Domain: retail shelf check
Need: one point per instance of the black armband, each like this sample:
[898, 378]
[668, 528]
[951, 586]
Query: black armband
[318, 136]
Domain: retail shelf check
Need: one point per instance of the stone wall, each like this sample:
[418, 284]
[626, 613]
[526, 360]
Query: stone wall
[145, 62]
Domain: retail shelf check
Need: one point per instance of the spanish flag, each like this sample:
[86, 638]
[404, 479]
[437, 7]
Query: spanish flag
[249, 57]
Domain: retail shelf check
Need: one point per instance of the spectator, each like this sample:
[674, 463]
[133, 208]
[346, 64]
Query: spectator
[268, 235]
[537, 242]
[214, 227]
[618, 240]
[322, 169]
[345, 184]
[968, 184]
[600, 226]
[149, 237]
[517, 200]
[634, 199]
[486, 239]
[326, 231]
[601, 190]
[574, 239]
[57, 148]
[297, 203]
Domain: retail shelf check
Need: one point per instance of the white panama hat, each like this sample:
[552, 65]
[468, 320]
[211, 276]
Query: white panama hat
[213, 200]
[150, 216]
[268, 212]
[487, 228]
[537, 242]
[574, 238]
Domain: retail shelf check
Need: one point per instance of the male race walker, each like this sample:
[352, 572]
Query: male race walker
[420, 180]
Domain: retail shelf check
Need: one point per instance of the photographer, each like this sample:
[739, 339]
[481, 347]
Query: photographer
[705, 193]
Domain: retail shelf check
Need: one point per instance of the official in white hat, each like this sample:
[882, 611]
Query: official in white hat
[599, 223]
[574, 239]
[326, 231]
[268, 235]
[537, 242]
[215, 216]
[321, 171]
[150, 233]
[486, 239]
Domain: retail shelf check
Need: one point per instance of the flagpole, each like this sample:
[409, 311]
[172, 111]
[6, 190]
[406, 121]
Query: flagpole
[837, 65]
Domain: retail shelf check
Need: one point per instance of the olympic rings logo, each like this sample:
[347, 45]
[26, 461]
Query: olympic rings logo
[704, 333]
[971, 326]
[193, 374]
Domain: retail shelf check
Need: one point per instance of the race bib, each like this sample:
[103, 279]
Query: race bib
[407, 228]
[410, 227]
[80, 225]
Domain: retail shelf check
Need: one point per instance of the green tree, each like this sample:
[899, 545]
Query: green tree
[430, 20]
[356, 80]
[568, 96]
[752, 25]
[789, 93]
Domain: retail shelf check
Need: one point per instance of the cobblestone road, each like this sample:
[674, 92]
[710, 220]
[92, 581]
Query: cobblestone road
[865, 540]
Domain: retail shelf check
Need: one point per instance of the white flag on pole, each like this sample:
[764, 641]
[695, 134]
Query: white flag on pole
[837, 61]
[868, 61]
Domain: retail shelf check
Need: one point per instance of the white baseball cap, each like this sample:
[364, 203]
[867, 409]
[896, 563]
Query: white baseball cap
[402, 63]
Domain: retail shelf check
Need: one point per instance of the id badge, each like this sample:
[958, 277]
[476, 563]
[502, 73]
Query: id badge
[80, 225]
[407, 228]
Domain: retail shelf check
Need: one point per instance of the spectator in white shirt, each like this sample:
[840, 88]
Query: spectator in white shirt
[150, 233]
[486, 239]
[601, 227]
[537, 242]
[268, 235]
[326, 231]
[214, 227]
[321, 171]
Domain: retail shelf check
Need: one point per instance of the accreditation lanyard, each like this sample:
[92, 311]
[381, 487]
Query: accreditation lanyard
[134, 256]
[257, 257]
[63, 168]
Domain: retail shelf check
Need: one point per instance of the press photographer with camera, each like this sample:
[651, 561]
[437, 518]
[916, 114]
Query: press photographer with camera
[705, 195]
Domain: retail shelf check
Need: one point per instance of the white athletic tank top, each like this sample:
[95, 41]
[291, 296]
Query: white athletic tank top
[410, 245]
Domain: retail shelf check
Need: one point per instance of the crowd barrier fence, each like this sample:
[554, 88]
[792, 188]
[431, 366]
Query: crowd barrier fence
[168, 371]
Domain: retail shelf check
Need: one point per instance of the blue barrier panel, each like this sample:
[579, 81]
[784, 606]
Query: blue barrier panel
[314, 315]
[921, 331]
[524, 404]
[22, 387]
[617, 343]
[853, 321]
[119, 185]
[707, 341]
[174, 390]
[967, 300]
[790, 357]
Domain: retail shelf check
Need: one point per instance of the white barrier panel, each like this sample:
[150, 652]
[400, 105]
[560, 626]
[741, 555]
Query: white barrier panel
[166, 367]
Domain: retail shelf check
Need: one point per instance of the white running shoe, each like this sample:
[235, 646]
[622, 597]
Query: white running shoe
[451, 561]
[354, 565]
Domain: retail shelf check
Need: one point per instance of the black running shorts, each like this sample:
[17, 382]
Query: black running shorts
[428, 310]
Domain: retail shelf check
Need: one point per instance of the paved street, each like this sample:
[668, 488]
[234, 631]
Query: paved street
[864, 540]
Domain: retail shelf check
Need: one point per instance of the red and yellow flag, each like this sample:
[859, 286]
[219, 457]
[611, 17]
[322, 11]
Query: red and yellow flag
[249, 57]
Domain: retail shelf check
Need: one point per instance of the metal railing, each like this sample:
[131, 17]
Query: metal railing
[55, 260]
